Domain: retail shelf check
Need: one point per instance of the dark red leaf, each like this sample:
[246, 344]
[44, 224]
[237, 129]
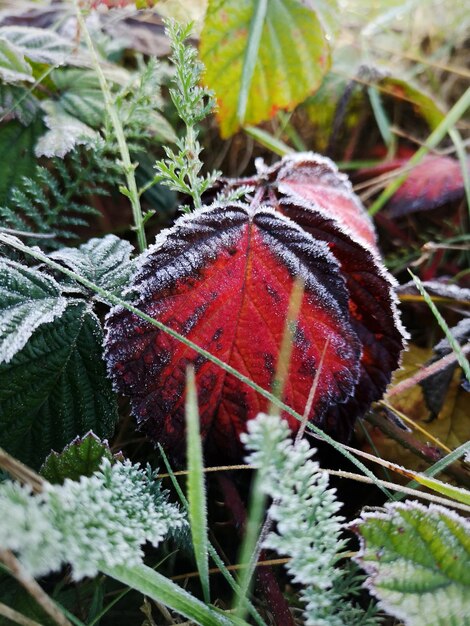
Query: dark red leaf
[223, 277]
[316, 180]
[436, 181]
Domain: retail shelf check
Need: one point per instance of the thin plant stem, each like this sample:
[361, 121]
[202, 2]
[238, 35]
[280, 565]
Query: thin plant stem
[131, 191]
[16, 617]
[33, 588]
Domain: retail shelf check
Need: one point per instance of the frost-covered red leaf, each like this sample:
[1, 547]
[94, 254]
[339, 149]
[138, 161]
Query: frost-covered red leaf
[223, 277]
[436, 181]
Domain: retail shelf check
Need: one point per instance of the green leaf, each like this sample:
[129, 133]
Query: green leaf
[80, 95]
[418, 562]
[13, 66]
[104, 261]
[196, 485]
[64, 134]
[38, 44]
[27, 300]
[16, 102]
[56, 388]
[17, 154]
[283, 59]
[81, 457]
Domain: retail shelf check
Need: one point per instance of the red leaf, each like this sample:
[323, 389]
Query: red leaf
[436, 181]
[316, 179]
[371, 306]
[222, 277]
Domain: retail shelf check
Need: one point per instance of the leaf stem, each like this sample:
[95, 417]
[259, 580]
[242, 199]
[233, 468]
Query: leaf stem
[131, 191]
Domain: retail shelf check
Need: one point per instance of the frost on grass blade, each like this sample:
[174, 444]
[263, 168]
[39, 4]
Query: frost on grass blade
[222, 277]
[418, 562]
[28, 299]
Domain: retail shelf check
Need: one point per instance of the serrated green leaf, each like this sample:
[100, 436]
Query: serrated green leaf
[28, 299]
[13, 66]
[17, 154]
[418, 562]
[40, 45]
[291, 59]
[64, 134]
[104, 261]
[80, 95]
[16, 102]
[56, 388]
[81, 457]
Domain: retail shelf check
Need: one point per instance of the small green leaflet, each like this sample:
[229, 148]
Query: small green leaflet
[105, 261]
[418, 562]
[261, 61]
[28, 299]
[56, 388]
[81, 457]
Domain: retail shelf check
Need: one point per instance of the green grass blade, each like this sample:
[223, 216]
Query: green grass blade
[380, 116]
[212, 551]
[433, 140]
[462, 154]
[115, 300]
[197, 510]
[454, 344]
[251, 56]
[440, 465]
[163, 590]
[268, 141]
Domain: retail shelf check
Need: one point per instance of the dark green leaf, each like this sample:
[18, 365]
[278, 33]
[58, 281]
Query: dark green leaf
[27, 300]
[56, 388]
[81, 457]
[17, 154]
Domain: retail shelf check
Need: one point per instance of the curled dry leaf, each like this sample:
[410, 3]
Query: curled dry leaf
[223, 276]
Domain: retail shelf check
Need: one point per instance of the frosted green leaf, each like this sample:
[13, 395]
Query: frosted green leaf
[418, 562]
[64, 134]
[80, 95]
[13, 66]
[81, 457]
[38, 44]
[268, 61]
[106, 262]
[56, 388]
[16, 102]
[28, 299]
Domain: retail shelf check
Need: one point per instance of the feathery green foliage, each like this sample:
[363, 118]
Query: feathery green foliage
[305, 510]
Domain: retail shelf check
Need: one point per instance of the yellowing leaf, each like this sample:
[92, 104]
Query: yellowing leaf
[261, 61]
[451, 426]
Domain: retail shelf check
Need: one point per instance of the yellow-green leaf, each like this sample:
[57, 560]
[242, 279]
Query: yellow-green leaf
[261, 61]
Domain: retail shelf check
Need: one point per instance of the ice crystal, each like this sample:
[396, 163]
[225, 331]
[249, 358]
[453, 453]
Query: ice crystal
[100, 521]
